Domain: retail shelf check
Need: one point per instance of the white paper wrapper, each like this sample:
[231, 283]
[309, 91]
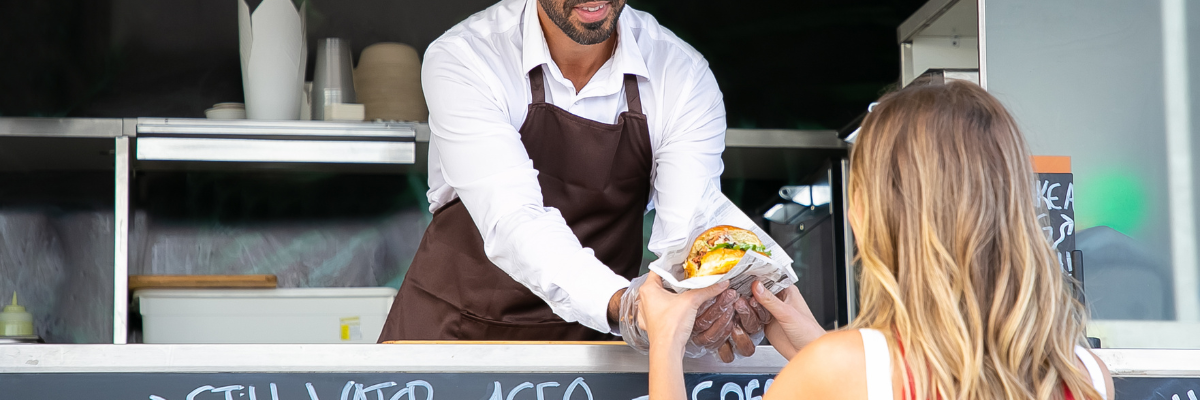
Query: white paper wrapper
[715, 209]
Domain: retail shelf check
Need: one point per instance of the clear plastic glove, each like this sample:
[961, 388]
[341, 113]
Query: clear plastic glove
[748, 330]
[727, 325]
[713, 327]
[714, 321]
[633, 330]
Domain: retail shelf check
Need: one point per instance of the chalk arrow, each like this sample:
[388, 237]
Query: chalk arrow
[1067, 228]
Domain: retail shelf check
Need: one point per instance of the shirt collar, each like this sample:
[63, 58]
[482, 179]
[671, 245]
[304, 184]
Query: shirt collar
[626, 59]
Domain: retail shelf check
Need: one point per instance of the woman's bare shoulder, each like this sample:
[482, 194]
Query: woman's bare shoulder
[830, 367]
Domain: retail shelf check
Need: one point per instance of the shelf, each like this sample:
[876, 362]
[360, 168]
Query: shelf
[169, 143]
[787, 155]
[274, 151]
[95, 128]
[57, 144]
[329, 130]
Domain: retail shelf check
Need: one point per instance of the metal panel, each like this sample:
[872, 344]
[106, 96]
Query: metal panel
[263, 150]
[1151, 363]
[982, 9]
[848, 241]
[60, 127]
[907, 71]
[121, 241]
[783, 138]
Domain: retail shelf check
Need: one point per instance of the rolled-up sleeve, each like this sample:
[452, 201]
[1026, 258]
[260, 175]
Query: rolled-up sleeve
[482, 158]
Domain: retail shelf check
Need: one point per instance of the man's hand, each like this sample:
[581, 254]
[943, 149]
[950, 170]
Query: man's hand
[714, 320]
[614, 307]
[749, 318]
[748, 321]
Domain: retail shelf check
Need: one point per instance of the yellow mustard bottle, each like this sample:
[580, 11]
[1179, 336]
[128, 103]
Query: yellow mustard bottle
[15, 321]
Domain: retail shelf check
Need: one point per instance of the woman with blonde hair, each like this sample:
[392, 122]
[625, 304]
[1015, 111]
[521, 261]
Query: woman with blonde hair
[961, 294]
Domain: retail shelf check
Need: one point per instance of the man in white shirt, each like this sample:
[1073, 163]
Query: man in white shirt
[555, 125]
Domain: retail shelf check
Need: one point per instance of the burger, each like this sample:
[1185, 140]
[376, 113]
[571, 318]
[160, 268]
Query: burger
[720, 248]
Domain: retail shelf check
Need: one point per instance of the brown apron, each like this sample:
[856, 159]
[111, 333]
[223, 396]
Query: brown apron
[597, 175]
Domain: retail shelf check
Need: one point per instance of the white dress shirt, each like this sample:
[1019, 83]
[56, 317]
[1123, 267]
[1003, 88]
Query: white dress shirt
[476, 84]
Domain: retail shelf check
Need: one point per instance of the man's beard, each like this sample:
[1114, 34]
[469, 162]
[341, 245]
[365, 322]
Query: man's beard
[591, 33]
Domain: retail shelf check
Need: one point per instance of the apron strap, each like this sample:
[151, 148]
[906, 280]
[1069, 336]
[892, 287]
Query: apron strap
[537, 85]
[632, 96]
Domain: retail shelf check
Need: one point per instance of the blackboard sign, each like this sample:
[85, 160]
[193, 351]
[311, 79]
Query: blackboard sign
[1056, 192]
[1142, 388]
[367, 386]
[420, 386]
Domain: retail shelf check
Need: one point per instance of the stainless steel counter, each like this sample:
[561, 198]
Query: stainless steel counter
[212, 372]
[572, 358]
[564, 358]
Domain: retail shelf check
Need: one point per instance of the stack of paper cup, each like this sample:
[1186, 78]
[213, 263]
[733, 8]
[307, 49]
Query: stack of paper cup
[388, 83]
[273, 58]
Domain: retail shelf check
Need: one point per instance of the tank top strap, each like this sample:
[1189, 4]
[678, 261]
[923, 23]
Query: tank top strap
[879, 365]
[1093, 369]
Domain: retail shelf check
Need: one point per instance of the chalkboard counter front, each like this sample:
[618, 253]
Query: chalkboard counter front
[424, 371]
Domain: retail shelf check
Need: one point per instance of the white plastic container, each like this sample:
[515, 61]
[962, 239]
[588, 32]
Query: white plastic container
[298, 315]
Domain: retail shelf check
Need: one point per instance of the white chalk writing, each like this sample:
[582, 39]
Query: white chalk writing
[578, 389]
[1058, 223]
[742, 393]
[1191, 394]
[350, 391]
[540, 390]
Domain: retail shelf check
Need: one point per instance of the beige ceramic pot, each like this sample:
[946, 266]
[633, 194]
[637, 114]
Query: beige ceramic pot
[388, 83]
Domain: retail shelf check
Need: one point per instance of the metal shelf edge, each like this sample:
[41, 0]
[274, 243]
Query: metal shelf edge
[205, 127]
[274, 151]
[95, 128]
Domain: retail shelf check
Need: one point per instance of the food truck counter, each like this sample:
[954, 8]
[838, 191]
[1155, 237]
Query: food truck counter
[569, 370]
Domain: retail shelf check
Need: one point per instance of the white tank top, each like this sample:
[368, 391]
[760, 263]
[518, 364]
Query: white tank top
[879, 366]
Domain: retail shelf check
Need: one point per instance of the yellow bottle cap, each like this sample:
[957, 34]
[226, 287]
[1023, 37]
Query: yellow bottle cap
[14, 307]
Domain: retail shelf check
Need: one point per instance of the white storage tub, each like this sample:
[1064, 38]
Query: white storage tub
[296, 315]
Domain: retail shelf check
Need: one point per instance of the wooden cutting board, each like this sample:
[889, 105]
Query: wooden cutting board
[202, 281]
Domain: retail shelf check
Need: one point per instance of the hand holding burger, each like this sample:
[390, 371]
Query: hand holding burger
[726, 321]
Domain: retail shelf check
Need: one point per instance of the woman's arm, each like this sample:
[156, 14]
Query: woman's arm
[832, 367]
[666, 371]
[668, 320]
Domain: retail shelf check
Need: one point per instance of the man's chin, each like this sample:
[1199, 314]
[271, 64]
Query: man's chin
[593, 33]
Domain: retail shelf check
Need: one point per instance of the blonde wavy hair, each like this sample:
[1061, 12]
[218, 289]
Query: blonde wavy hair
[953, 260]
